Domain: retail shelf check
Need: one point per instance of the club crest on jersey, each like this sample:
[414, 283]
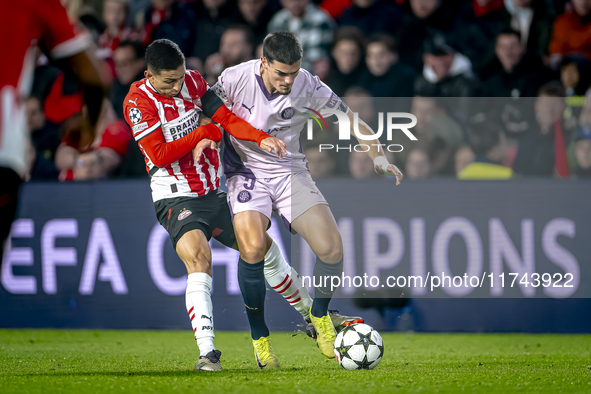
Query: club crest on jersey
[244, 196]
[185, 213]
[135, 115]
[287, 113]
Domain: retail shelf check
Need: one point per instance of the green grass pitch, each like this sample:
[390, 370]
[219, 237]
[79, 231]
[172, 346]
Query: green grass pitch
[45, 361]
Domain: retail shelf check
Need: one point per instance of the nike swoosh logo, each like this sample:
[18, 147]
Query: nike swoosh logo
[261, 366]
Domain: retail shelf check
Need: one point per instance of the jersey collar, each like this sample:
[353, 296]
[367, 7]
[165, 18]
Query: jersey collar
[259, 78]
[149, 85]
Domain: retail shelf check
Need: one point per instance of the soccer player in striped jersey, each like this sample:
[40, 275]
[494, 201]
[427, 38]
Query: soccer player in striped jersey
[265, 93]
[171, 112]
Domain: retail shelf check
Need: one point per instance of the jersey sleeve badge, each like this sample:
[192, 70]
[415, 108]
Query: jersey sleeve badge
[135, 115]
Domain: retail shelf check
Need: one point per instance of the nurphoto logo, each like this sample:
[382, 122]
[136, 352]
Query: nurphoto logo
[345, 129]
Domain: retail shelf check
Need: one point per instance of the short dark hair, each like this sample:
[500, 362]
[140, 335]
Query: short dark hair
[282, 46]
[566, 60]
[509, 31]
[552, 88]
[385, 39]
[163, 55]
[139, 49]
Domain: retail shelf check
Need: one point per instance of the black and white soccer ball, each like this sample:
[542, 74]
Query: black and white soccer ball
[359, 346]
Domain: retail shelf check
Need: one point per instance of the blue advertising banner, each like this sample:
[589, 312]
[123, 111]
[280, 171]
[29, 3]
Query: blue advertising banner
[93, 256]
[443, 238]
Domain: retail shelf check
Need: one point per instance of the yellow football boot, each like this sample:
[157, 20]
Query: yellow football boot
[263, 352]
[325, 334]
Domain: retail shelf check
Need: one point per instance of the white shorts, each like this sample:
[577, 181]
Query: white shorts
[288, 196]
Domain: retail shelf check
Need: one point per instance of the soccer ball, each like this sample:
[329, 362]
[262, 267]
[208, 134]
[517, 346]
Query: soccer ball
[358, 346]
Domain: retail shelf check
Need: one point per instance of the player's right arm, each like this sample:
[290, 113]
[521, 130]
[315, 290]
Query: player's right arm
[147, 131]
[215, 102]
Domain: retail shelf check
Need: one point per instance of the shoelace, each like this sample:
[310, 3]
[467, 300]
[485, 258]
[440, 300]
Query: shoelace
[265, 348]
[213, 356]
[326, 327]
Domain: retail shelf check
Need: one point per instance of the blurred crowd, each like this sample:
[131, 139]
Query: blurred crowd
[498, 87]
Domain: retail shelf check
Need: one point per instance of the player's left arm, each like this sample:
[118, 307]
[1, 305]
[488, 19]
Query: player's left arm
[330, 100]
[380, 162]
[213, 106]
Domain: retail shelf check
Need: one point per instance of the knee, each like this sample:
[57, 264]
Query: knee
[198, 262]
[331, 252]
[252, 250]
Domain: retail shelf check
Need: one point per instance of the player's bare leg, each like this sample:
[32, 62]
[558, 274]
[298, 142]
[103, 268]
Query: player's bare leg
[194, 251]
[318, 227]
[251, 233]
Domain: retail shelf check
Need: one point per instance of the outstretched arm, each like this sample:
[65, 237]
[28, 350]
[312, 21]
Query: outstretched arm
[381, 164]
[213, 106]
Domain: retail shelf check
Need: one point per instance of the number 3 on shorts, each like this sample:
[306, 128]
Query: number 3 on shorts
[249, 185]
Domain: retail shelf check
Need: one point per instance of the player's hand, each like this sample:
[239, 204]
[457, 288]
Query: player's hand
[383, 167]
[201, 145]
[271, 144]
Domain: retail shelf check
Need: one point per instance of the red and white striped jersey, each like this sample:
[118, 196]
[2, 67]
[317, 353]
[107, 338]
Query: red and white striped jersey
[23, 25]
[164, 130]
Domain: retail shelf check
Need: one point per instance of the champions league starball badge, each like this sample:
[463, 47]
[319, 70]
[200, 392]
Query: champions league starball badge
[243, 196]
[135, 115]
